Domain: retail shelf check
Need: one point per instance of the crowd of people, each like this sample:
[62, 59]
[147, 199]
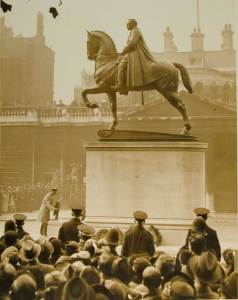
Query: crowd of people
[22, 197]
[225, 93]
[82, 263]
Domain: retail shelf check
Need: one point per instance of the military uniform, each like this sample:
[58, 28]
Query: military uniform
[138, 240]
[68, 231]
[19, 220]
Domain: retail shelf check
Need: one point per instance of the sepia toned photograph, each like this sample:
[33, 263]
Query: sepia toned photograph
[118, 149]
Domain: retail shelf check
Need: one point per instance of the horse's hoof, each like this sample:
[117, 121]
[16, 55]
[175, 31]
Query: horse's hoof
[185, 131]
[93, 105]
[111, 127]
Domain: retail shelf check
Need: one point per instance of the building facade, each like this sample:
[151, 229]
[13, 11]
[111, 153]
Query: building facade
[26, 67]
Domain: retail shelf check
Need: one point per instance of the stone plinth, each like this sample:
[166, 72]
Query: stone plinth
[165, 179]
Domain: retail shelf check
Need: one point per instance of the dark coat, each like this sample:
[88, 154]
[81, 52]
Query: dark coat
[213, 242]
[137, 241]
[21, 232]
[69, 231]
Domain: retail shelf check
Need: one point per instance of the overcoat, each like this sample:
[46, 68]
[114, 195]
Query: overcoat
[138, 240]
[142, 67]
[47, 205]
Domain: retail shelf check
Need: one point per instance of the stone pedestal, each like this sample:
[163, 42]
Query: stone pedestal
[165, 179]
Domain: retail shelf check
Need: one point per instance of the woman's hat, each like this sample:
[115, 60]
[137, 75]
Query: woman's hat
[113, 237]
[77, 289]
[30, 250]
[206, 267]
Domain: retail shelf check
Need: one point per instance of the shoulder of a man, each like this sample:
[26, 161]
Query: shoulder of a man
[209, 230]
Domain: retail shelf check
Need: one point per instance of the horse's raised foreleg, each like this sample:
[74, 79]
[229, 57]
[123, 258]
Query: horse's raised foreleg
[85, 92]
[113, 103]
[177, 102]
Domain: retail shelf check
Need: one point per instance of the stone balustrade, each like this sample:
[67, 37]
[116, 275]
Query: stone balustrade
[48, 115]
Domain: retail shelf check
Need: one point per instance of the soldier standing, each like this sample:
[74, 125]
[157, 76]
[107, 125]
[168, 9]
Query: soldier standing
[20, 220]
[138, 240]
[69, 229]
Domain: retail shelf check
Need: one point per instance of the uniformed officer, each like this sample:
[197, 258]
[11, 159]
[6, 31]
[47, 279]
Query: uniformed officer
[212, 242]
[69, 229]
[20, 221]
[138, 240]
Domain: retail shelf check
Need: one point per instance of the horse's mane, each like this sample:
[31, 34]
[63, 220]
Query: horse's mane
[107, 39]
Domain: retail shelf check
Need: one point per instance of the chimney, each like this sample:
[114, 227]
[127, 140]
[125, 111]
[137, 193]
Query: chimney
[40, 26]
[169, 45]
[227, 37]
[197, 40]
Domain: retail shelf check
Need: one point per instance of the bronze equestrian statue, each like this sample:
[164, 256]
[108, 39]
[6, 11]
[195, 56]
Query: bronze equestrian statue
[135, 69]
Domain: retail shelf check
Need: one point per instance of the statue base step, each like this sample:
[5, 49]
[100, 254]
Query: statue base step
[131, 135]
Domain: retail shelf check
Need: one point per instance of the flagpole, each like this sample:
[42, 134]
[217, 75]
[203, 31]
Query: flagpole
[198, 23]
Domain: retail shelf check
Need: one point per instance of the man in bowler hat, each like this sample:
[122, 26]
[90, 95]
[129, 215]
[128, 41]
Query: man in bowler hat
[138, 240]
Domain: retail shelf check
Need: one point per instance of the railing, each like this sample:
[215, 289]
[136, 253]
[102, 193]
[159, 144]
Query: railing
[45, 115]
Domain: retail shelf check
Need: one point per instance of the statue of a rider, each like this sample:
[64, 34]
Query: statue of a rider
[134, 69]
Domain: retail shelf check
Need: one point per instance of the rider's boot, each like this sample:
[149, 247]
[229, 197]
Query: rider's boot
[121, 79]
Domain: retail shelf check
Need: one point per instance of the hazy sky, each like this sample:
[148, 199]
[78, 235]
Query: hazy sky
[66, 34]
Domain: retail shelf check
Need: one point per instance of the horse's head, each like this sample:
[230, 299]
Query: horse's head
[99, 43]
[93, 45]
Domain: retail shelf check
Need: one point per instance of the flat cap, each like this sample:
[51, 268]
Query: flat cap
[54, 189]
[201, 211]
[19, 217]
[86, 229]
[140, 215]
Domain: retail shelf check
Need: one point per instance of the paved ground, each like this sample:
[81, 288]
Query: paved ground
[223, 225]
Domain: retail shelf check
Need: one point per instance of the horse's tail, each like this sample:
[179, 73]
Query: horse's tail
[185, 77]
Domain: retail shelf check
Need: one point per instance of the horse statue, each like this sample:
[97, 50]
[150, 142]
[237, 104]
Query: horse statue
[101, 49]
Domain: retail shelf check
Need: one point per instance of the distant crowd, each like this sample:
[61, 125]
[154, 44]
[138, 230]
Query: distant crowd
[22, 197]
[82, 263]
[218, 92]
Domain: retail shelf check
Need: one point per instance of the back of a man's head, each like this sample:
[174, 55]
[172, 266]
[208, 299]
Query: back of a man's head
[24, 287]
[105, 263]
[9, 225]
[76, 212]
[197, 243]
[151, 278]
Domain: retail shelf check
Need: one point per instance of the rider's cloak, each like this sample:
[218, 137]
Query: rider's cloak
[142, 66]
